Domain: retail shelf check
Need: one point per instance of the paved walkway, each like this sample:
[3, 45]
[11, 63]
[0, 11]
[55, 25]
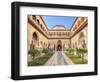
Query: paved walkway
[59, 58]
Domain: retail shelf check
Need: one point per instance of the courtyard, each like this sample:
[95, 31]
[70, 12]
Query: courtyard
[57, 40]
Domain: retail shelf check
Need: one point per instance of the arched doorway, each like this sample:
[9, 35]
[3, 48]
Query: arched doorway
[59, 45]
[82, 42]
[34, 42]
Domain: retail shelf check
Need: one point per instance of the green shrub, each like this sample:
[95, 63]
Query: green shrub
[47, 51]
[70, 51]
[42, 59]
[81, 52]
[34, 52]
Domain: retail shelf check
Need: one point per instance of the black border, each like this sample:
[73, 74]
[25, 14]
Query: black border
[15, 40]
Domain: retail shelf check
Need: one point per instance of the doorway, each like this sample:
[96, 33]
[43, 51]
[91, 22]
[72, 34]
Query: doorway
[59, 45]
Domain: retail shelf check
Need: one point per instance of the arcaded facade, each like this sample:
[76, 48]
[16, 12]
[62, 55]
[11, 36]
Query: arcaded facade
[59, 37]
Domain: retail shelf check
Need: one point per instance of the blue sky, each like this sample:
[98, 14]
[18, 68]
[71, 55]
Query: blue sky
[51, 21]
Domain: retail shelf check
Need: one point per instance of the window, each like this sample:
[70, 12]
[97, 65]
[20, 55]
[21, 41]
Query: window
[43, 28]
[59, 33]
[54, 33]
[79, 23]
[74, 29]
[63, 33]
[38, 21]
[82, 19]
[41, 25]
[66, 33]
[34, 17]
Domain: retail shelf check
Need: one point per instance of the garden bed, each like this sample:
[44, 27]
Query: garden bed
[42, 59]
[77, 60]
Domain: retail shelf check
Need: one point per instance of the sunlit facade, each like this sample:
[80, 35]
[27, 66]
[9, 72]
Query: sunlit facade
[59, 37]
